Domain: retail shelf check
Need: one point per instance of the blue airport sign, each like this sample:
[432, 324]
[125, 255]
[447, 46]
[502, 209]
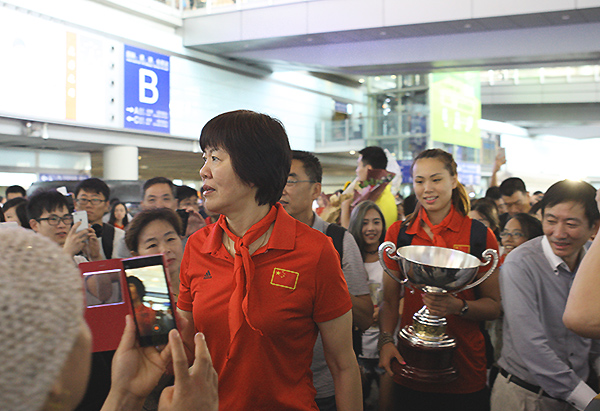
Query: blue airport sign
[146, 99]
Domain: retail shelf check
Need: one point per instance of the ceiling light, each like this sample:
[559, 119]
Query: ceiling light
[352, 152]
[361, 80]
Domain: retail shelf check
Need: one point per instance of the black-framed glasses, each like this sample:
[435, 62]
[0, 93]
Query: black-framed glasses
[292, 182]
[54, 220]
[85, 201]
[516, 234]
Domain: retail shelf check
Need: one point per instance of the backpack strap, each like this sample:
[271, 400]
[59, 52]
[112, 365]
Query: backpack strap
[404, 239]
[336, 233]
[108, 236]
[478, 239]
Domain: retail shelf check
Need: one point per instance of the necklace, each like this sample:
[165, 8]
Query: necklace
[372, 252]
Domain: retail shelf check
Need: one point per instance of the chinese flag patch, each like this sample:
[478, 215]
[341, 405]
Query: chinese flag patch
[463, 248]
[284, 278]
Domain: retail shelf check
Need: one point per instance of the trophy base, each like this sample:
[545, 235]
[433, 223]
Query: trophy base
[425, 362]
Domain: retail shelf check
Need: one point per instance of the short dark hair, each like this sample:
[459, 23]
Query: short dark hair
[158, 180]
[143, 218]
[530, 226]
[374, 156]
[138, 284]
[15, 189]
[42, 201]
[577, 191]
[184, 192]
[93, 185]
[493, 193]
[20, 206]
[258, 147]
[310, 163]
[512, 185]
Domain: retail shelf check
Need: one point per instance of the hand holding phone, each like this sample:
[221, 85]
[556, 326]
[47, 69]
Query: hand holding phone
[151, 298]
[80, 216]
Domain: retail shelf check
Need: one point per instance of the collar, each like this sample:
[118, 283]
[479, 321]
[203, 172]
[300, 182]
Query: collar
[454, 222]
[283, 236]
[554, 260]
[319, 223]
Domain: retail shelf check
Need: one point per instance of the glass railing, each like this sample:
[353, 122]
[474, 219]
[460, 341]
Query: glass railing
[385, 126]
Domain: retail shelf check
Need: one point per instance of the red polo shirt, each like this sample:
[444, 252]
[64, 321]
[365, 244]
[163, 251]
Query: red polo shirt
[469, 357]
[298, 283]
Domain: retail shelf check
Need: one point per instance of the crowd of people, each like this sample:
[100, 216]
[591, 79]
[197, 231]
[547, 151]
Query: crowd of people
[284, 305]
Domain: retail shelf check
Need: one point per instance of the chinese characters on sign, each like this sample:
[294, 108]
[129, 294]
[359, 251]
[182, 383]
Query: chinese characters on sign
[146, 99]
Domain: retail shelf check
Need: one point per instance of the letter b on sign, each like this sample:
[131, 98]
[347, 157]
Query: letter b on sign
[148, 89]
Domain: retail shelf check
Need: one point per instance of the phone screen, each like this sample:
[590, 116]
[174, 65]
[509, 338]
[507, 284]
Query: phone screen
[151, 299]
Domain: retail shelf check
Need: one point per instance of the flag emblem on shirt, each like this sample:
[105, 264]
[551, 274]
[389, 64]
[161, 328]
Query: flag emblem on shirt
[463, 248]
[284, 278]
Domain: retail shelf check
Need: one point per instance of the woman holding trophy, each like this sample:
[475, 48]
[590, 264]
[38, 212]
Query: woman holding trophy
[440, 220]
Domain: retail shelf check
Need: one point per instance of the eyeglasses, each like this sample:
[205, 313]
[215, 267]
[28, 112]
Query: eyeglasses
[54, 220]
[292, 182]
[85, 201]
[516, 234]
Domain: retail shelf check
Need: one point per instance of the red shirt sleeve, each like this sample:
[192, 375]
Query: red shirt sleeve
[332, 299]
[392, 235]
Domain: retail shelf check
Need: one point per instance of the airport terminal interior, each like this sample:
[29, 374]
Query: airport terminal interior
[121, 89]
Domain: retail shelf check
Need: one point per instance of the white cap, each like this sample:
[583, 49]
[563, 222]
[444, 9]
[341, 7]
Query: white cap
[41, 312]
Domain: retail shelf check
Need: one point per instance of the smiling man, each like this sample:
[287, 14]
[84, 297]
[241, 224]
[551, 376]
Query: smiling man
[49, 215]
[543, 365]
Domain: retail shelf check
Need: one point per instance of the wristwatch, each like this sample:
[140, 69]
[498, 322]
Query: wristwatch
[464, 309]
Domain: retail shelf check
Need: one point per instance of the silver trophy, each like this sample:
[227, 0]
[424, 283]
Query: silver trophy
[425, 346]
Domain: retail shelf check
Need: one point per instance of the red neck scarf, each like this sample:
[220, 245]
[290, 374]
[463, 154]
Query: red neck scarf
[438, 241]
[243, 271]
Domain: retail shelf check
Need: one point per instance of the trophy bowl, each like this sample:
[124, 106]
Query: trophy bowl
[424, 345]
[438, 267]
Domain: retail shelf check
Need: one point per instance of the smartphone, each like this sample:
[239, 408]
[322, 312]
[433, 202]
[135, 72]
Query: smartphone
[80, 216]
[185, 216]
[151, 299]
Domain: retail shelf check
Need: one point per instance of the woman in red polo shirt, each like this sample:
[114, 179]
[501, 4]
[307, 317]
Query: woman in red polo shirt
[440, 219]
[258, 283]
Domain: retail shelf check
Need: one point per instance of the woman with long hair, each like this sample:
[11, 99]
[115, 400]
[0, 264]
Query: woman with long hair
[118, 216]
[486, 211]
[258, 283]
[440, 219]
[367, 225]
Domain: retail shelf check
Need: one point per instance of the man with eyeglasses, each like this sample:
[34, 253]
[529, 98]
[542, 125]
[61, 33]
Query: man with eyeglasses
[49, 216]
[302, 188]
[543, 365]
[91, 196]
